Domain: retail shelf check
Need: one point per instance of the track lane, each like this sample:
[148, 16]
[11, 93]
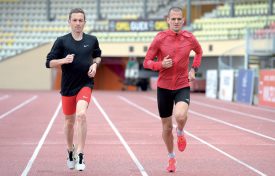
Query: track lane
[9, 100]
[4, 96]
[265, 112]
[20, 132]
[251, 149]
[259, 127]
[239, 112]
[156, 168]
[104, 153]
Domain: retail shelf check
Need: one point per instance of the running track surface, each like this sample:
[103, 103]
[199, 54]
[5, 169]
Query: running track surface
[124, 136]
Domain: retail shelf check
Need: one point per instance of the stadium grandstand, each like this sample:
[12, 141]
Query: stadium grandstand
[234, 34]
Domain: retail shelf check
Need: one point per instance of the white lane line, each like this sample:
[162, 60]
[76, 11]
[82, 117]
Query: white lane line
[4, 97]
[199, 139]
[236, 104]
[128, 149]
[41, 142]
[264, 109]
[236, 112]
[18, 107]
[232, 125]
[224, 109]
[229, 124]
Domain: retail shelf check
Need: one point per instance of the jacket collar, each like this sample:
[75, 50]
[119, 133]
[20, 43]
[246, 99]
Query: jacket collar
[182, 33]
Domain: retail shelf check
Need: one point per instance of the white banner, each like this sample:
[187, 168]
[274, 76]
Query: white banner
[211, 83]
[226, 85]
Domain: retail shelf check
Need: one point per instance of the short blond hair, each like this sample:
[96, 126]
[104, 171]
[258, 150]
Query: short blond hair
[177, 9]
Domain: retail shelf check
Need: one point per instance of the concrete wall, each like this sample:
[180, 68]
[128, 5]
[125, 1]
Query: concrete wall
[27, 71]
[211, 48]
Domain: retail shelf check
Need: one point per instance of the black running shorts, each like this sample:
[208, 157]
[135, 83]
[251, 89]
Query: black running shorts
[167, 99]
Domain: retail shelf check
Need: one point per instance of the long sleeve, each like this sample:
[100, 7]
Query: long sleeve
[97, 50]
[152, 52]
[55, 52]
[198, 53]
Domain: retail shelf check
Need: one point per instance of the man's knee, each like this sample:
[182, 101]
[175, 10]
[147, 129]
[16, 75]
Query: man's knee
[180, 117]
[181, 112]
[167, 129]
[69, 121]
[81, 116]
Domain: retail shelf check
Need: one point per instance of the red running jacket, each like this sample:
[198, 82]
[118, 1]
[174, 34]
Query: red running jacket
[178, 46]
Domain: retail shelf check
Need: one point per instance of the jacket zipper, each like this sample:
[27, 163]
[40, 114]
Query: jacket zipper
[174, 67]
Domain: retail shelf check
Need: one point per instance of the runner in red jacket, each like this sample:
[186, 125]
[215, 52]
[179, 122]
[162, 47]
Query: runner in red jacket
[172, 49]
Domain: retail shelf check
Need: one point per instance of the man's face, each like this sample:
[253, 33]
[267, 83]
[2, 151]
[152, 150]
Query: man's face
[77, 22]
[175, 21]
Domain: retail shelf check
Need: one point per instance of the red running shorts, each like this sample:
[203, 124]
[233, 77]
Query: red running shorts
[69, 102]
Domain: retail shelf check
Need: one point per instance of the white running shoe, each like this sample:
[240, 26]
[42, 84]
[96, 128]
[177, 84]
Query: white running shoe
[71, 159]
[80, 164]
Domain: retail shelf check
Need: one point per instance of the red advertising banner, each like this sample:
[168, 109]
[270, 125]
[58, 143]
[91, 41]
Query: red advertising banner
[267, 88]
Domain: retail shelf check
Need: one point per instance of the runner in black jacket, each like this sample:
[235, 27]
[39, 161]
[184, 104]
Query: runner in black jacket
[78, 54]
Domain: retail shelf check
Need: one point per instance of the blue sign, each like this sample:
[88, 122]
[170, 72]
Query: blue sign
[245, 86]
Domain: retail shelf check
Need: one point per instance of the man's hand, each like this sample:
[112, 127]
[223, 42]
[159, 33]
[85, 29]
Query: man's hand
[167, 62]
[92, 70]
[191, 75]
[68, 59]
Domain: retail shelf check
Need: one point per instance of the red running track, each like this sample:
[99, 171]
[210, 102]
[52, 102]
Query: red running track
[124, 136]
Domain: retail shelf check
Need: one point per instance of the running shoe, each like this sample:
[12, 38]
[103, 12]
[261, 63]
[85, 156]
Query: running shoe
[71, 159]
[80, 164]
[181, 143]
[171, 165]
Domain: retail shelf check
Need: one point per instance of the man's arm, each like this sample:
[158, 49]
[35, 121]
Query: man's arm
[55, 56]
[152, 52]
[197, 60]
[192, 74]
[198, 54]
[97, 61]
[94, 66]
[54, 63]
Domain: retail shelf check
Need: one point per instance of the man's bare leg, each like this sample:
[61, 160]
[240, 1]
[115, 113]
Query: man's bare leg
[69, 130]
[81, 125]
[167, 135]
